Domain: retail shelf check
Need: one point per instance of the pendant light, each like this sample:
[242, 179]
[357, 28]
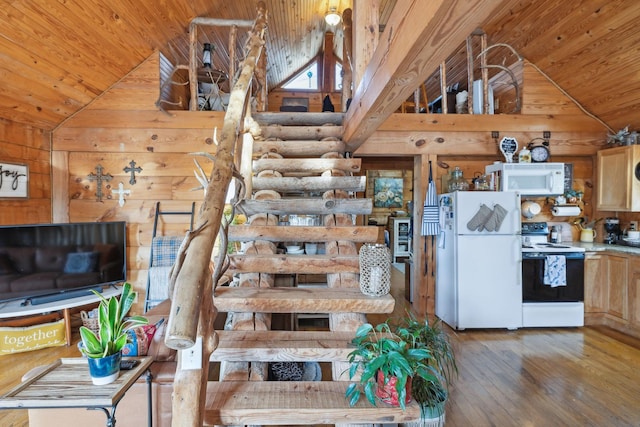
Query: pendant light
[332, 17]
[206, 55]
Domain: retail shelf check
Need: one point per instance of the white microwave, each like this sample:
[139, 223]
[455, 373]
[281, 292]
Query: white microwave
[530, 179]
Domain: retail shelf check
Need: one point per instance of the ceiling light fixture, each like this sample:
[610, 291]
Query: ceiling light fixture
[332, 17]
[206, 55]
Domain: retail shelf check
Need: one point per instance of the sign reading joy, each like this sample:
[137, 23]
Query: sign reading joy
[14, 180]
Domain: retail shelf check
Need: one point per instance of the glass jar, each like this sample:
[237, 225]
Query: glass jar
[457, 181]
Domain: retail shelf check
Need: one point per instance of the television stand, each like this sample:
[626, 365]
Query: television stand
[15, 308]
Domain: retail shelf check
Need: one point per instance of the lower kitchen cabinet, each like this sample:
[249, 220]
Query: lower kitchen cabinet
[596, 290]
[618, 301]
[634, 292]
[612, 291]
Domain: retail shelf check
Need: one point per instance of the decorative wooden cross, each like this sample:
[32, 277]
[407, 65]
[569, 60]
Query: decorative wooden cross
[132, 169]
[99, 178]
[121, 192]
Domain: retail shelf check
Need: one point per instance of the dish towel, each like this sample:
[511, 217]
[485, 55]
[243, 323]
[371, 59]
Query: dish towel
[555, 270]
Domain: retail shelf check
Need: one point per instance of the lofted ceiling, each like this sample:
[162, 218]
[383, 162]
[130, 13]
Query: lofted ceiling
[57, 56]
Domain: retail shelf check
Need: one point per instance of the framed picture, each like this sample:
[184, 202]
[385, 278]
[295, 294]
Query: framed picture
[14, 181]
[388, 193]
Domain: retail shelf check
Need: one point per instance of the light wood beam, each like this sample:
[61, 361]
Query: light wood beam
[365, 36]
[420, 35]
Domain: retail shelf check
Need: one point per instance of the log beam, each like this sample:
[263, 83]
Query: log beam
[420, 36]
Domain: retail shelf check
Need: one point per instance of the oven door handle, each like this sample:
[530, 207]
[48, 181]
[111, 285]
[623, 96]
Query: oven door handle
[542, 255]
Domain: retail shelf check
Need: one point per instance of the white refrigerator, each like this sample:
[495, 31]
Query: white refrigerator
[479, 260]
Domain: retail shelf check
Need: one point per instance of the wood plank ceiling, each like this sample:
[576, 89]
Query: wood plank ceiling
[56, 57]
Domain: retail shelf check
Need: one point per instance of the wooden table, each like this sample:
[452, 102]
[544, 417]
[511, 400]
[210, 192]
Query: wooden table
[66, 383]
[17, 308]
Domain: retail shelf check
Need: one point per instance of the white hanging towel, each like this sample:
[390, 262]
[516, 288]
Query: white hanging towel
[555, 270]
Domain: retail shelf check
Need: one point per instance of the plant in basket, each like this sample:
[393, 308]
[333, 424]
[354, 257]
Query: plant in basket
[104, 347]
[387, 363]
[431, 394]
[414, 359]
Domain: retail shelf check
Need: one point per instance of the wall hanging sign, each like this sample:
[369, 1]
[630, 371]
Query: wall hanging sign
[14, 181]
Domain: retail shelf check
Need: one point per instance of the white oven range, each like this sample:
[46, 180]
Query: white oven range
[558, 299]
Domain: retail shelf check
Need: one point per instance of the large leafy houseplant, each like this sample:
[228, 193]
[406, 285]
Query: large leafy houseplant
[382, 351]
[113, 325]
[431, 393]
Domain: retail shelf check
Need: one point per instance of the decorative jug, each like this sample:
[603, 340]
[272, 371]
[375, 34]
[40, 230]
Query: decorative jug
[587, 235]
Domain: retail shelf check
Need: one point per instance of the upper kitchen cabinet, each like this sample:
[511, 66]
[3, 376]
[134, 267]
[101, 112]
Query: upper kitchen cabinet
[619, 179]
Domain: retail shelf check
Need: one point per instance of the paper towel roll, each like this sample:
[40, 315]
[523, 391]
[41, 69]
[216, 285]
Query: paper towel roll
[565, 210]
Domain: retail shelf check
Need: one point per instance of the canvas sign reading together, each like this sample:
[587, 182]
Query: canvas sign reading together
[14, 180]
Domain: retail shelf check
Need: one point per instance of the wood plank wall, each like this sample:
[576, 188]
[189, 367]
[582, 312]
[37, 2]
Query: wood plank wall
[124, 125]
[22, 144]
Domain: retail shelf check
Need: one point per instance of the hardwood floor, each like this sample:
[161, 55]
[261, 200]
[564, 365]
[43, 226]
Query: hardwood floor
[530, 377]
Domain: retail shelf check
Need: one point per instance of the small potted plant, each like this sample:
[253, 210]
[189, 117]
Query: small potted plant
[104, 348]
[387, 362]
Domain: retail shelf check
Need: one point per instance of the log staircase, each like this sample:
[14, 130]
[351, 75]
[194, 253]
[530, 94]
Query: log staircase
[300, 167]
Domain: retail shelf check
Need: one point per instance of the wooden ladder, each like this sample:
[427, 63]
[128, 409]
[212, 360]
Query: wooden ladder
[300, 168]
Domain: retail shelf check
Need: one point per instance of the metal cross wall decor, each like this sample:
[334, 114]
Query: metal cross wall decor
[99, 178]
[132, 169]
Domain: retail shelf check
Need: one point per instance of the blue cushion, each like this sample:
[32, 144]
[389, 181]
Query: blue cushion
[81, 262]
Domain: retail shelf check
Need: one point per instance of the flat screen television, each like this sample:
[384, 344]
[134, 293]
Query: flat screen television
[47, 262]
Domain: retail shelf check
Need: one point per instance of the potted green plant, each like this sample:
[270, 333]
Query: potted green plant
[104, 347]
[431, 394]
[387, 362]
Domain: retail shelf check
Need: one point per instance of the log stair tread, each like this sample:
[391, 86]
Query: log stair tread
[302, 206]
[294, 403]
[307, 166]
[310, 183]
[307, 233]
[298, 119]
[298, 148]
[299, 300]
[294, 263]
[292, 346]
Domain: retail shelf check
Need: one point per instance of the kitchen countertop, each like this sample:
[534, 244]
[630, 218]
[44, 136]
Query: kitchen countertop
[600, 247]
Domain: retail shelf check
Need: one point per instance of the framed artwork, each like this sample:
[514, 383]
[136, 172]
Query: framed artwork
[14, 181]
[387, 193]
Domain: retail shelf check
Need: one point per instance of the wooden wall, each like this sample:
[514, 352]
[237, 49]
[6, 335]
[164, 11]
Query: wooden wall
[24, 144]
[121, 126]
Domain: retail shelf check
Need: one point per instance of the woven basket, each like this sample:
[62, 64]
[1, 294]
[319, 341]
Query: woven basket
[90, 320]
[375, 269]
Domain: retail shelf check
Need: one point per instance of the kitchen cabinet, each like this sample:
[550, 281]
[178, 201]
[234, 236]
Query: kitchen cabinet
[618, 186]
[634, 292]
[612, 291]
[399, 237]
[595, 283]
[617, 296]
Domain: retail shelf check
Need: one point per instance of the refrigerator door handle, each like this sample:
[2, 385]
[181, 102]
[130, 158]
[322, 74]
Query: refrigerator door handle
[518, 253]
